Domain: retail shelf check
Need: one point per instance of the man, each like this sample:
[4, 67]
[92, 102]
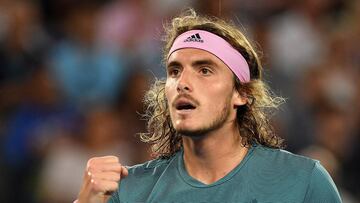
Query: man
[208, 126]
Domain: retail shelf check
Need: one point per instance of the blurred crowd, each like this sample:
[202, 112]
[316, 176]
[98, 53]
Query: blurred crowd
[73, 74]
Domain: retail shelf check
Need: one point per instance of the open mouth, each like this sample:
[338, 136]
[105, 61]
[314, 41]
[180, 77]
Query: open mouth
[184, 106]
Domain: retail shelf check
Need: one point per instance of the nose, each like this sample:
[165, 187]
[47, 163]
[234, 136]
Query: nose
[184, 82]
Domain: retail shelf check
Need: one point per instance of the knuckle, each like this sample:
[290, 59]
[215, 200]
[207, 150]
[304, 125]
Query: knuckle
[92, 160]
[91, 163]
[114, 158]
[91, 168]
[117, 177]
[115, 185]
[118, 167]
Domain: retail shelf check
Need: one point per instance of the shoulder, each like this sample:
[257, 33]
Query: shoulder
[284, 167]
[308, 174]
[283, 159]
[321, 187]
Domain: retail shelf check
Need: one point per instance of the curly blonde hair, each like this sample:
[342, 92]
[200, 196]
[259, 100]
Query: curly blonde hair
[252, 119]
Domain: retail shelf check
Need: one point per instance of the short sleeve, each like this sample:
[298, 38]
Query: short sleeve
[321, 188]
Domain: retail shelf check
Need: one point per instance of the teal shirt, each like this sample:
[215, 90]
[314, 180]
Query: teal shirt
[264, 175]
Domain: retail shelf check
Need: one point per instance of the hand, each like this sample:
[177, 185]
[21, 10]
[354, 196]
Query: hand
[101, 178]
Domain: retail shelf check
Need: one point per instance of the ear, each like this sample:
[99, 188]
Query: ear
[239, 99]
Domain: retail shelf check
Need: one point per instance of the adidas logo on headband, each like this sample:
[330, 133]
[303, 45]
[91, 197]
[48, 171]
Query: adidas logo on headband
[194, 38]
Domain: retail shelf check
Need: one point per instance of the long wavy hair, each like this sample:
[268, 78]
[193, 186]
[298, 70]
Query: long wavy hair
[252, 118]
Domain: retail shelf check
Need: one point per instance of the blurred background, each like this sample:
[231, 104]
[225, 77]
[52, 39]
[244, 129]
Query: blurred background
[73, 74]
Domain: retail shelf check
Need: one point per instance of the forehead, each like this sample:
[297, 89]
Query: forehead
[193, 54]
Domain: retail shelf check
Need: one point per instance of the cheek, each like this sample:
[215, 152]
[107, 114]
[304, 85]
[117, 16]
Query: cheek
[169, 89]
[220, 95]
[220, 90]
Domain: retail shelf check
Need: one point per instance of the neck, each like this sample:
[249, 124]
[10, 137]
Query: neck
[214, 155]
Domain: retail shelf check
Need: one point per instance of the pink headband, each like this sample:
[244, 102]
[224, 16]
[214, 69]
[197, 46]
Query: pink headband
[216, 45]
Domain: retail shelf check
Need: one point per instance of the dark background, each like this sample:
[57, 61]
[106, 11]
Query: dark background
[73, 73]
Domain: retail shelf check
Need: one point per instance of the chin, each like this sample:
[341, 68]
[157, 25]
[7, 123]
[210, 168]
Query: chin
[194, 133]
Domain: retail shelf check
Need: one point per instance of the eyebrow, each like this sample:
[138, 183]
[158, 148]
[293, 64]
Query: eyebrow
[203, 62]
[173, 63]
[195, 63]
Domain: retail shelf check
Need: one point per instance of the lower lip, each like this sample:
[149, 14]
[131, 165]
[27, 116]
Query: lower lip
[187, 111]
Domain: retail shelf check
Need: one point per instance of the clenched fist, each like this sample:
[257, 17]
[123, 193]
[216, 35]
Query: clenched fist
[101, 178]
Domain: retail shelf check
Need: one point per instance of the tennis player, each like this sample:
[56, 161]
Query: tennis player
[208, 124]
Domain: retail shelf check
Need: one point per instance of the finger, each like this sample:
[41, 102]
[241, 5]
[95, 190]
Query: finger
[110, 159]
[104, 167]
[114, 167]
[101, 160]
[124, 171]
[108, 176]
[103, 186]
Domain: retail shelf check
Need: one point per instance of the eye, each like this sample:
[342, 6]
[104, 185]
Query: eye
[205, 71]
[173, 72]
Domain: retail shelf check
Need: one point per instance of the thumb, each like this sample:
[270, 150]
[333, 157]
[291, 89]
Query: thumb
[124, 171]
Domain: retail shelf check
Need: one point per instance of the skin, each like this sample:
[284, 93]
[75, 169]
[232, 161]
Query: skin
[101, 177]
[211, 136]
[210, 132]
[197, 77]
